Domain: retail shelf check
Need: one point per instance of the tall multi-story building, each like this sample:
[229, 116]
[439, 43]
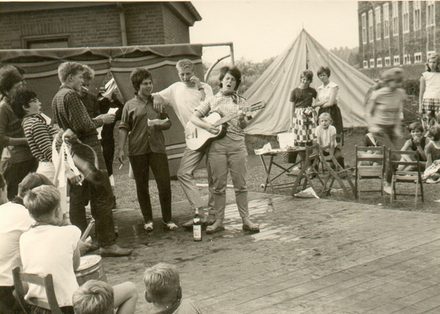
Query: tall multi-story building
[397, 33]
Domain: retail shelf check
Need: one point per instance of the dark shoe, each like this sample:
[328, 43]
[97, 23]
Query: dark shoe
[251, 227]
[188, 225]
[214, 229]
[209, 221]
[114, 250]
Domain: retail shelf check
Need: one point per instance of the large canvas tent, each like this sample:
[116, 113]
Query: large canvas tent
[283, 75]
[41, 74]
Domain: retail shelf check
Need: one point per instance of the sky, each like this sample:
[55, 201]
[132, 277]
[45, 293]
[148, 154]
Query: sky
[260, 29]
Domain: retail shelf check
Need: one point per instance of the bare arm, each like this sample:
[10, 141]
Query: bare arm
[406, 145]
[292, 114]
[197, 120]
[421, 92]
[76, 256]
[428, 157]
[122, 139]
[125, 298]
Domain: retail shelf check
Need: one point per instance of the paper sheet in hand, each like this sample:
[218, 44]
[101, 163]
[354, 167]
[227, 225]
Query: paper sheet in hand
[112, 110]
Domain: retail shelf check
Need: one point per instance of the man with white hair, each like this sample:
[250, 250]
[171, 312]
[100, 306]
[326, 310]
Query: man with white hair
[184, 97]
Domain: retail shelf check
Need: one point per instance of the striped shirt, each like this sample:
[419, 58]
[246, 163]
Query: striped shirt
[39, 136]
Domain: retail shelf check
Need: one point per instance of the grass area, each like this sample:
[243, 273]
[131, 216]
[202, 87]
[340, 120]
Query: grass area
[125, 190]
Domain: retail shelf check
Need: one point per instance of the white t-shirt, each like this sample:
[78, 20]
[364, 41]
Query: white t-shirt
[184, 99]
[324, 91]
[14, 220]
[326, 135]
[48, 249]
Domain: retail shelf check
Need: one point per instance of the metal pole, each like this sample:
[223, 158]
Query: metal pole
[231, 47]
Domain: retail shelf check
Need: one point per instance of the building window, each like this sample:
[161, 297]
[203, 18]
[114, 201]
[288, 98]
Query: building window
[417, 15]
[365, 64]
[396, 60]
[418, 57]
[430, 13]
[429, 53]
[387, 61]
[395, 18]
[406, 59]
[405, 16]
[386, 20]
[371, 63]
[364, 28]
[379, 62]
[370, 26]
[46, 42]
[378, 23]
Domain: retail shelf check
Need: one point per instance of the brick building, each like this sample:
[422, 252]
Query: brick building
[25, 25]
[397, 33]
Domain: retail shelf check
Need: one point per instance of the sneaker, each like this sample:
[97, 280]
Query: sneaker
[387, 189]
[170, 226]
[148, 226]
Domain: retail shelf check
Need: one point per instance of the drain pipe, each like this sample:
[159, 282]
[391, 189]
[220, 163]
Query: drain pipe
[123, 25]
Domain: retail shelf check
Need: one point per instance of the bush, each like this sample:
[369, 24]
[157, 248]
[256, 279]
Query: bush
[411, 87]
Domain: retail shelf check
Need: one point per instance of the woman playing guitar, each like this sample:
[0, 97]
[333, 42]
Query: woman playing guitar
[228, 152]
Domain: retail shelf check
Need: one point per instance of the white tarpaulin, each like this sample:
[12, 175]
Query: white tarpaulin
[282, 76]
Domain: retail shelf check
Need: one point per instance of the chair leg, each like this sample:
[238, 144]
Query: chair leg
[417, 193]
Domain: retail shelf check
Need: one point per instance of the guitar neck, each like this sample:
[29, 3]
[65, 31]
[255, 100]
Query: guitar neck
[227, 118]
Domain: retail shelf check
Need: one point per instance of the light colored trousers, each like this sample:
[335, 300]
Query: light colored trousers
[47, 169]
[227, 155]
[188, 164]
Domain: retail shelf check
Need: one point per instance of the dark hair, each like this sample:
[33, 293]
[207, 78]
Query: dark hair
[137, 76]
[9, 76]
[415, 126]
[19, 98]
[434, 132]
[32, 180]
[325, 70]
[234, 71]
[307, 74]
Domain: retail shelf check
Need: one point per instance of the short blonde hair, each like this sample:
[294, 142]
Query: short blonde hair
[93, 297]
[325, 115]
[184, 64]
[161, 281]
[42, 200]
[69, 68]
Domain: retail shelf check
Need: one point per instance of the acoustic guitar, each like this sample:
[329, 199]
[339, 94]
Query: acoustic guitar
[198, 138]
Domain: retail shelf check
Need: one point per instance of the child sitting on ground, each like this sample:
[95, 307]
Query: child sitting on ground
[163, 290]
[432, 151]
[98, 297]
[50, 246]
[14, 220]
[326, 138]
[416, 143]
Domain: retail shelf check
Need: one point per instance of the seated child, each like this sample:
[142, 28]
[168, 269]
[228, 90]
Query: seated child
[98, 297]
[14, 220]
[416, 143]
[162, 289]
[326, 137]
[50, 246]
[432, 151]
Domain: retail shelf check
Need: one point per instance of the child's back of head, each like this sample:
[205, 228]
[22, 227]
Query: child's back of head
[162, 284]
[94, 297]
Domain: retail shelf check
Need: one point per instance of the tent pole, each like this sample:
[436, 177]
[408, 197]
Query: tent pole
[213, 66]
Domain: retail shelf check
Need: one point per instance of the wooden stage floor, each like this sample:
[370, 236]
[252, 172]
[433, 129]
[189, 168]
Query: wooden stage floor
[312, 256]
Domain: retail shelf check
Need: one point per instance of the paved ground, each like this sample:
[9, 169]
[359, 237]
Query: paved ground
[312, 256]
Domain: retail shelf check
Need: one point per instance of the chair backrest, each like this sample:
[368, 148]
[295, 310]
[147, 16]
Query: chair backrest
[409, 161]
[44, 281]
[370, 161]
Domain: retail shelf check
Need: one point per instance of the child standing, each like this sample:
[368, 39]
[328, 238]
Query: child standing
[303, 116]
[163, 290]
[326, 138]
[429, 95]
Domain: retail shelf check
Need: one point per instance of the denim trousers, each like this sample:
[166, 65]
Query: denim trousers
[158, 163]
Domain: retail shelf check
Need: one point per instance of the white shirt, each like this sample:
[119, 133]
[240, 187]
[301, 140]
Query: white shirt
[48, 249]
[326, 135]
[324, 91]
[14, 220]
[432, 85]
[184, 99]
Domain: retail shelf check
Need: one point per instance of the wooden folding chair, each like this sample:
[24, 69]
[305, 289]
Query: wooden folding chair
[370, 164]
[336, 173]
[45, 281]
[309, 169]
[411, 172]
